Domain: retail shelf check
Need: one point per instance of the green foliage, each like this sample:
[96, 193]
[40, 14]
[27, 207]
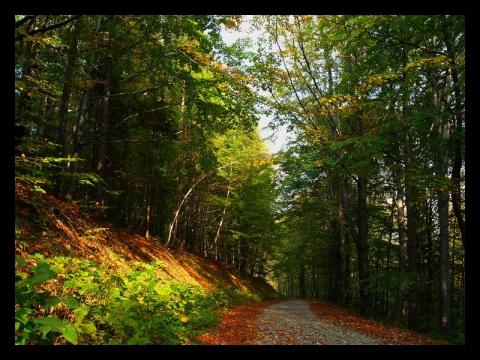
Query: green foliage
[36, 171]
[30, 300]
[72, 301]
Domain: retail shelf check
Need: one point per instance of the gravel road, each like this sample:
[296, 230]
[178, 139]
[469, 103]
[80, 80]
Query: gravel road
[293, 323]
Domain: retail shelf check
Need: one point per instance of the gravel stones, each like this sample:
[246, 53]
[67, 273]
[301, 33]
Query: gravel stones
[293, 323]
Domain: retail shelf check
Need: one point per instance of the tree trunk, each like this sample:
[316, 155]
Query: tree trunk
[148, 210]
[314, 293]
[63, 117]
[362, 247]
[458, 133]
[301, 282]
[402, 240]
[444, 237]
[220, 225]
[24, 104]
[413, 296]
[339, 286]
[104, 126]
[81, 123]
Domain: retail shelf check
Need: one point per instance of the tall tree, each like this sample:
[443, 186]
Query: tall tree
[348, 86]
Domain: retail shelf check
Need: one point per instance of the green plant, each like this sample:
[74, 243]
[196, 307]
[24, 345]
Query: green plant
[30, 302]
[77, 301]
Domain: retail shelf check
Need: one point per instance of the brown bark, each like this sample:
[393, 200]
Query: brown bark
[458, 134]
[104, 126]
[63, 116]
[412, 250]
[362, 247]
[29, 67]
[81, 123]
[402, 240]
[339, 285]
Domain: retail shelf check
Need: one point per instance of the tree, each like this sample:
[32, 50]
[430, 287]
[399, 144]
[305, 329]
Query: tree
[375, 99]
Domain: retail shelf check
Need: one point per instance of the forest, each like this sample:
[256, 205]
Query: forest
[150, 123]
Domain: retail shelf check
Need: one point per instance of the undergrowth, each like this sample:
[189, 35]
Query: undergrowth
[65, 300]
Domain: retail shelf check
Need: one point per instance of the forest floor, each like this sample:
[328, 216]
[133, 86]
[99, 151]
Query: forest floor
[245, 326]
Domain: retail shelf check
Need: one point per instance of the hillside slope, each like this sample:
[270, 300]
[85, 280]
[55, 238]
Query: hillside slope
[49, 226]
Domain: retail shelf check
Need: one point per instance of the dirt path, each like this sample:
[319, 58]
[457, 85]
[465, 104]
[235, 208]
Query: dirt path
[304, 322]
[292, 322]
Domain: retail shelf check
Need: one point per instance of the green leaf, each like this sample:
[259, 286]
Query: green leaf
[51, 301]
[42, 273]
[115, 293]
[50, 322]
[20, 261]
[81, 312]
[86, 328]
[44, 329]
[21, 315]
[71, 302]
[70, 334]
[53, 323]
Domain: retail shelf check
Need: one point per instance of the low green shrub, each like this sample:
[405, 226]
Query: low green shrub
[76, 301]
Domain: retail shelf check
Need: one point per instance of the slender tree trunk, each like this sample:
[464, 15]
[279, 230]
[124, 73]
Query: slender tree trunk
[80, 127]
[402, 257]
[458, 132]
[104, 126]
[445, 324]
[63, 117]
[220, 225]
[339, 285]
[402, 240]
[25, 102]
[362, 247]
[242, 252]
[386, 313]
[429, 259]
[413, 296]
[348, 272]
[456, 189]
[347, 212]
[314, 293]
[410, 203]
[148, 210]
[343, 211]
[443, 202]
[302, 283]
[77, 144]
